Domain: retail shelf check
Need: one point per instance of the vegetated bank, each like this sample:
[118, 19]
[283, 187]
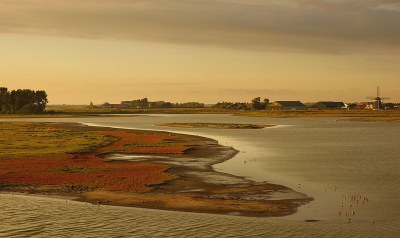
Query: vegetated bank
[146, 169]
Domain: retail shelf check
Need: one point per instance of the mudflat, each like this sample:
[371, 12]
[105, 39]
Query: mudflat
[182, 178]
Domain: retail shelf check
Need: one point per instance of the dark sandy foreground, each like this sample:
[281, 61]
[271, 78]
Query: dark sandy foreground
[198, 189]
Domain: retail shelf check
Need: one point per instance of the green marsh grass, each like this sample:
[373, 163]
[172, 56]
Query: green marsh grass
[19, 139]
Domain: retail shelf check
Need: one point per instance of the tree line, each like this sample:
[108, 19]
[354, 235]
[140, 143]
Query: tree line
[145, 103]
[22, 101]
[256, 104]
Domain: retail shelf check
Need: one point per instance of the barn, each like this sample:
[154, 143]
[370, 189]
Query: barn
[286, 105]
[324, 105]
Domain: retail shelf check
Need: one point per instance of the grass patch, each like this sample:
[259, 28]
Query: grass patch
[19, 139]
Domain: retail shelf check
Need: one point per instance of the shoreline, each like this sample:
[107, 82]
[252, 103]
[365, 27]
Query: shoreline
[216, 125]
[198, 187]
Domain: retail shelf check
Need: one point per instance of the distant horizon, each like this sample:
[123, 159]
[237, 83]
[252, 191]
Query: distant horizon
[201, 50]
[306, 102]
[208, 102]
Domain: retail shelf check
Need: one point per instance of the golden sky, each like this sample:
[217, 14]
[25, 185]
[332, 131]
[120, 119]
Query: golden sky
[201, 50]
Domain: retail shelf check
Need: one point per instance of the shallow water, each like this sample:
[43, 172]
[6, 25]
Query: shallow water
[26, 216]
[357, 158]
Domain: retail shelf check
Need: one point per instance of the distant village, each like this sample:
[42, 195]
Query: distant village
[255, 104]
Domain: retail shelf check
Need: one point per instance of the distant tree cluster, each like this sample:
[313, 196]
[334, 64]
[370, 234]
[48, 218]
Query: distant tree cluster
[145, 103]
[22, 101]
[189, 105]
[160, 104]
[255, 104]
[140, 103]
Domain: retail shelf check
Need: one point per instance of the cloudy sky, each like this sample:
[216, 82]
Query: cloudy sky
[201, 50]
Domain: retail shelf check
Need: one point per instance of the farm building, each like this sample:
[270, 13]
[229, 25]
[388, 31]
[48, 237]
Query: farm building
[328, 105]
[286, 105]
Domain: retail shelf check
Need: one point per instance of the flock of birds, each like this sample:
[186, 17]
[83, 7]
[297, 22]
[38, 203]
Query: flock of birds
[354, 198]
[357, 199]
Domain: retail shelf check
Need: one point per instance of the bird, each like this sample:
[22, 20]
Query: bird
[372, 221]
[298, 185]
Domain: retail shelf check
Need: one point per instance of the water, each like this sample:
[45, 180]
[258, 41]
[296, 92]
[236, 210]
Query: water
[26, 216]
[357, 158]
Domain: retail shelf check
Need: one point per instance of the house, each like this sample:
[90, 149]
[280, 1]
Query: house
[286, 105]
[328, 105]
[360, 105]
[369, 105]
[365, 105]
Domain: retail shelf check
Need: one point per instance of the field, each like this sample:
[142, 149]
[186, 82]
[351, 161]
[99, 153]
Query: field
[85, 111]
[82, 110]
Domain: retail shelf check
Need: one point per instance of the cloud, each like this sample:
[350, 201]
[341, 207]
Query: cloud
[324, 26]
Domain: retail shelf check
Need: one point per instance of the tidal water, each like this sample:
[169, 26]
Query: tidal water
[361, 160]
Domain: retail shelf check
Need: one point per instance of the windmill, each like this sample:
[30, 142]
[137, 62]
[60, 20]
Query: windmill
[378, 99]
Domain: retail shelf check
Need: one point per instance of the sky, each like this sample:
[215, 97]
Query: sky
[205, 51]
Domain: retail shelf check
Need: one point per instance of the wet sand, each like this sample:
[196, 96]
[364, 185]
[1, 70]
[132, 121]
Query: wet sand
[198, 187]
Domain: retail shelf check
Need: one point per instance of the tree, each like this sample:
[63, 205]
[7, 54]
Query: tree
[166, 105]
[41, 100]
[256, 103]
[91, 105]
[24, 101]
[264, 104]
[4, 95]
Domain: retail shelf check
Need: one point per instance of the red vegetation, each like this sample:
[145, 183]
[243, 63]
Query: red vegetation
[132, 143]
[88, 172]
